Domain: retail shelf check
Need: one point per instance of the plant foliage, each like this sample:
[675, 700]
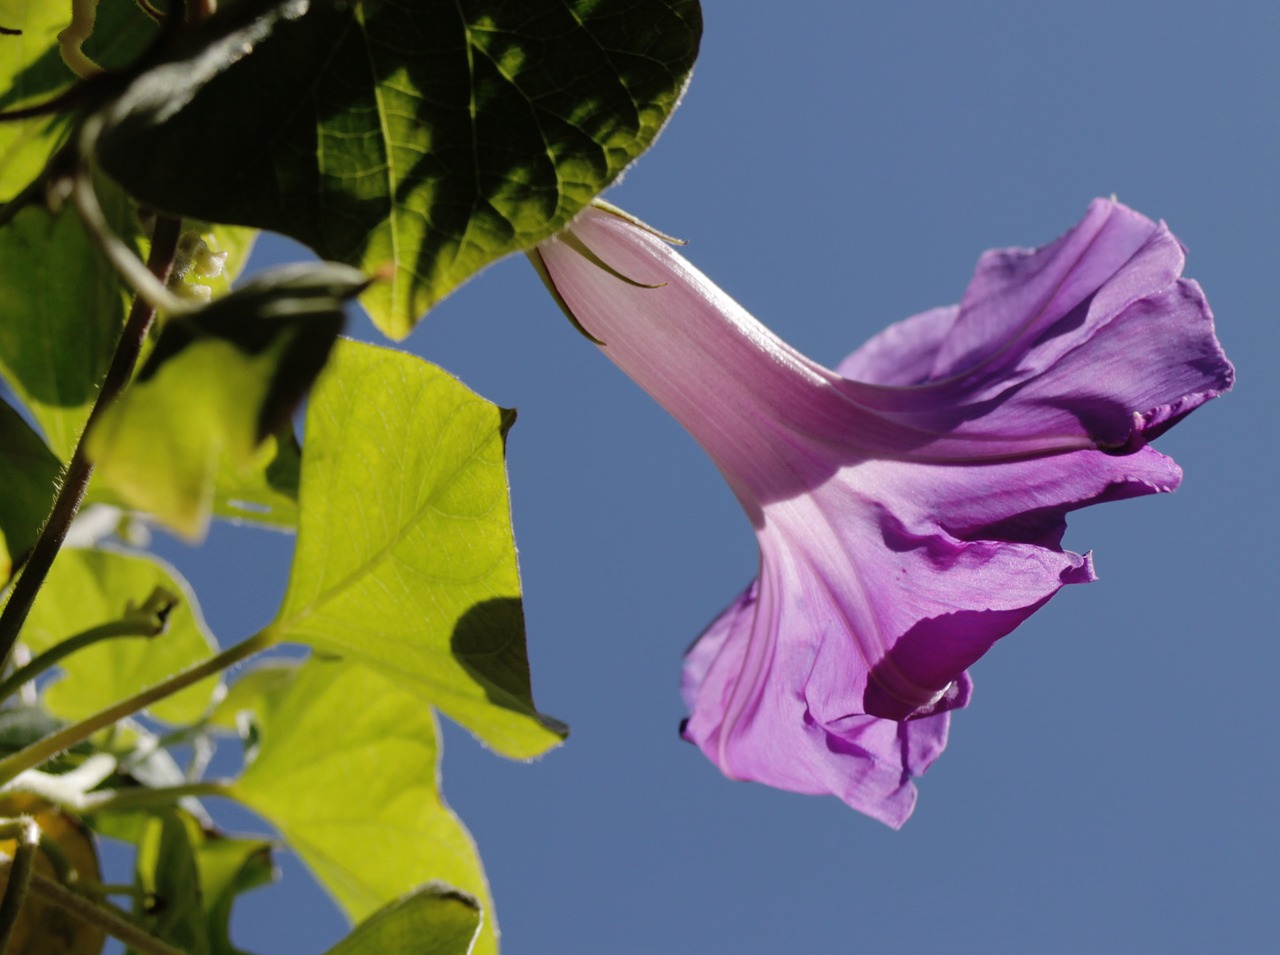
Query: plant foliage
[142, 144]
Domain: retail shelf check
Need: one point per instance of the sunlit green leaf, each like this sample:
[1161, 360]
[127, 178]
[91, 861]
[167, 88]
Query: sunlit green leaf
[28, 473]
[406, 558]
[218, 383]
[432, 920]
[87, 588]
[192, 876]
[228, 867]
[33, 69]
[347, 771]
[267, 491]
[61, 311]
[169, 882]
[437, 135]
[254, 690]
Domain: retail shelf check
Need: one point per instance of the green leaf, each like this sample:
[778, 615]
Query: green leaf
[432, 920]
[228, 867]
[61, 311]
[33, 70]
[28, 476]
[218, 383]
[266, 492]
[87, 588]
[167, 875]
[192, 876]
[437, 136]
[254, 690]
[347, 771]
[406, 558]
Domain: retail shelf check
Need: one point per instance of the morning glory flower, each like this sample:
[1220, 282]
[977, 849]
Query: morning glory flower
[909, 504]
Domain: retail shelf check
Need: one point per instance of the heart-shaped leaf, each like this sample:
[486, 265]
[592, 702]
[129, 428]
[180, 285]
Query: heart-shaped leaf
[437, 135]
[347, 771]
[406, 558]
[217, 384]
[89, 588]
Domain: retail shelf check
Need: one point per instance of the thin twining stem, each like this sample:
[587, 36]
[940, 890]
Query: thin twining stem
[146, 283]
[145, 797]
[164, 246]
[45, 749]
[95, 912]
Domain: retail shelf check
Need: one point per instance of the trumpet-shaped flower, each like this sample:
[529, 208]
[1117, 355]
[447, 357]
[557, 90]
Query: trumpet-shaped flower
[910, 504]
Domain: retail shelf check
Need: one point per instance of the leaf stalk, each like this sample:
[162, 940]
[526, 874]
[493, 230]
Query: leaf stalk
[44, 749]
[145, 621]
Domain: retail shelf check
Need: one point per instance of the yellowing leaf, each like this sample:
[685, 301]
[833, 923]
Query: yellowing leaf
[43, 928]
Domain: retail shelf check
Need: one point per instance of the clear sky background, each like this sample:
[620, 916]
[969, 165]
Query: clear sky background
[838, 166]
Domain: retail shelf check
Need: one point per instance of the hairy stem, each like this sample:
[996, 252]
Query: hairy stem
[164, 246]
[44, 749]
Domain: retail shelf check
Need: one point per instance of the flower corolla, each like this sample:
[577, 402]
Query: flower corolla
[909, 504]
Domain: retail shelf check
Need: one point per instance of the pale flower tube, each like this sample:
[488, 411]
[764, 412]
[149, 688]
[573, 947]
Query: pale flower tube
[909, 504]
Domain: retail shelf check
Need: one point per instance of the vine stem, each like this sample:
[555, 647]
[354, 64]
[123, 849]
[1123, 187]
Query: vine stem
[44, 749]
[143, 797]
[107, 917]
[164, 247]
[26, 834]
[137, 625]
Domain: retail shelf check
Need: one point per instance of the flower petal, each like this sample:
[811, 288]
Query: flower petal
[866, 762]
[910, 507]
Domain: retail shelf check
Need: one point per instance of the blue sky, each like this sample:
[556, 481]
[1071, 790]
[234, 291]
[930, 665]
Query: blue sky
[836, 167]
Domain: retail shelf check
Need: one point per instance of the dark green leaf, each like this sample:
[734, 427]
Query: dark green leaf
[218, 383]
[28, 477]
[169, 880]
[436, 136]
[33, 69]
[191, 876]
[432, 920]
[61, 311]
[406, 558]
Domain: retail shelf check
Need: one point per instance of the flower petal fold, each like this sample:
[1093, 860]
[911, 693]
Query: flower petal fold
[910, 505]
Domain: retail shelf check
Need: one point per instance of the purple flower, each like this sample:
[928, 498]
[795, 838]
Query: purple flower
[909, 505]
